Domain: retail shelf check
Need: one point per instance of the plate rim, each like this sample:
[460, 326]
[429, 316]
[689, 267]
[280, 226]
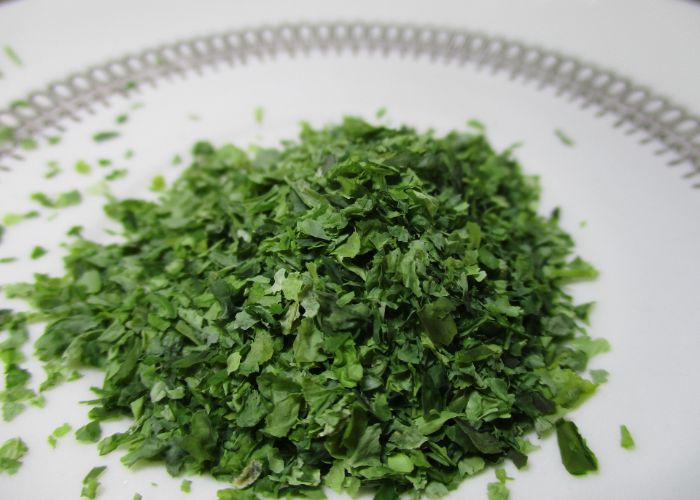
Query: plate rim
[639, 110]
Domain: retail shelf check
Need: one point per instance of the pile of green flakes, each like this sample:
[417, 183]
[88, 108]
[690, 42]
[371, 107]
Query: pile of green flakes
[366, 309]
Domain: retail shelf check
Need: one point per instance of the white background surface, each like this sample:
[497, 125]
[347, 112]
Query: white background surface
[641, 230]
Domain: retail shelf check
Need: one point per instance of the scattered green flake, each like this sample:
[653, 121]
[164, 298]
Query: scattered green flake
[104, 162]
[12, 55]
[53, 169]
[193, 117]
[53, 140]
[137, 496]
[626, 439]
[137, 105]
[28, 144]
[82, 167]
[565, 139]
[259, 115]
[186, 486]
[91, 483]
[498, 491]
[62, 200]
[7, 260]
[476, 125]
[502, 476]
[128, 86]
[20, 103]
[122, 119]
[7, 134]
[57, 433]
[575, 453]
[177, 160]
[117, 173]
[16, 393]
[91, 432]
[157, 184]
[15, 218]
[381, 112]
[75, 231]
[11, 454]
[599, 376]
[38, 252]
[128, 154]
[105, 135]
[100, 188]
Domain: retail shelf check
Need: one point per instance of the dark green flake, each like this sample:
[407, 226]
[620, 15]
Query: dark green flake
[89, 433]
[37, 252]
[105, 135]
[367, 307]
[575, 454]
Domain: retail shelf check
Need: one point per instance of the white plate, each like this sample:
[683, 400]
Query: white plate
[639, 231]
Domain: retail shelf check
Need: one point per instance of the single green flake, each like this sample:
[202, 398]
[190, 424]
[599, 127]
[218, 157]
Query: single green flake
[37, 252]
[11, 454]
[11, 219]
[117, 173]
[53, 169]
[82, 167]
[91, 483]
[626, 439]
[57, 433]
[576, 456]
[12, 55]
[157, 184]
[105, 135]
[563, 137]
[91, 432]
[259, 115]
[28, 144]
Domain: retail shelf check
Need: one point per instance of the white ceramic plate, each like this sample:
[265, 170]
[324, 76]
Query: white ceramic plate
[631, 214]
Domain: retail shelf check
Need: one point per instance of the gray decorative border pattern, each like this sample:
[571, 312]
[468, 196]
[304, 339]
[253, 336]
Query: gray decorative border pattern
[638, 109]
